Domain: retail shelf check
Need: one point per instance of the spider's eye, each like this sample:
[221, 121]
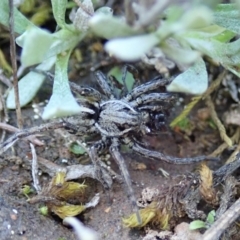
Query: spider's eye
[85, 92]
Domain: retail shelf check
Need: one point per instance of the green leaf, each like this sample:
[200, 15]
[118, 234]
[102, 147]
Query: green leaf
[59, 9]
[197, 17]
[197, 224]
[131, 48]
[194, 80]
[76, 149]
[29, 85]
[21, 23]
[211, 217]
[180, 20]
[35, 43]
[227, 16]
[107, 26]
[62, 103]
[39, 45]
[181, 56]
[227, 54]
[65, 40]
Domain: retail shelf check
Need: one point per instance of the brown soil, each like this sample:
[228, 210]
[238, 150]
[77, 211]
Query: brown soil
[106, 217]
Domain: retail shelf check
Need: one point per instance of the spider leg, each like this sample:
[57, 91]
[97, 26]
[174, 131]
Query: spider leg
[114, 150]
[146, 87]
[124, 76]
[151, 98]
[111, 134]
[160, 156]
[93, 152]
[102, 81]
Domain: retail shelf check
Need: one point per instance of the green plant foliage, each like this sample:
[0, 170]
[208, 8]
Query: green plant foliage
[21, 23]
[211, 217]
[43, 210]
[198, 72]
[116, 27]
[183, 33]
[201, 224]
[197, 224]
[59, 10]
[227, 16]
[76, 149]
[62, 102]
[29, 85]
[31, 38]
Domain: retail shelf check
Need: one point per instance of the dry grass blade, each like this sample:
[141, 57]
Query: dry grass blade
[186, 111]
[195, 100]
[217, 121]
[234, 154]
[235, 138]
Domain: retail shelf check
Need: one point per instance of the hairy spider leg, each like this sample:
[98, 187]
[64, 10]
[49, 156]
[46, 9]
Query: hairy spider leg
[152, 97]
[124, 76]
[146, 87]
[160, 156]
[102, 82]
[114, 150]
[94, 151]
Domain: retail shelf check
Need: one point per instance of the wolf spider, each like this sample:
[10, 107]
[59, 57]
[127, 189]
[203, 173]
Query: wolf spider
[118, 119]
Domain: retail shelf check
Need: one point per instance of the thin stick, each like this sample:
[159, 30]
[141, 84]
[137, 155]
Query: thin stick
[4, 79]
[27, 132]
[36, 183]
[32, 138]
[129, 13]
[14, 63]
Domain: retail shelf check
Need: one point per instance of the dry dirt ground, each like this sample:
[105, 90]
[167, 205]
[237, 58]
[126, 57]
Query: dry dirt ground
[21, 220]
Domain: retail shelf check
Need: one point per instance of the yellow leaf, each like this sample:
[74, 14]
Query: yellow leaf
[70, 189]
[67, 210]
[59, 179]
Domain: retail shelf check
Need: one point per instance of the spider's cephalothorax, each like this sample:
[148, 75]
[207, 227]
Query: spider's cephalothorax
[124, 120]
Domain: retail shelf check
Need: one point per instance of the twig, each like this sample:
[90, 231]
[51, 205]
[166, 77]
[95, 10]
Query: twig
[14, 63]
[35, 169]
[217, 121]
[129, 13]
[28, 132]
[223, 222]
[4, 79]
[147, 16]
[33, 138]
[214, 85]
[227, 195]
